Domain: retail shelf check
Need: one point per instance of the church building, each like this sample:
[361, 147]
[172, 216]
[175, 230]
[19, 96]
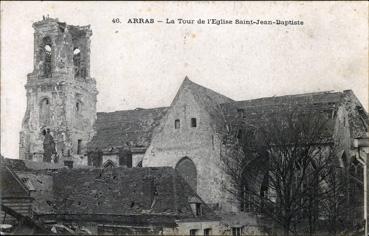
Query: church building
[61, 123]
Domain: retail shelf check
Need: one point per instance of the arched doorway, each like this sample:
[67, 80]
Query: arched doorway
[187, 169]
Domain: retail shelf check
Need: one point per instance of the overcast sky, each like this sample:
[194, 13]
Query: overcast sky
[142, 65]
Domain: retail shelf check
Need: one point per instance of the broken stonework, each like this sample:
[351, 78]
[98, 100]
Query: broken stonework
[61, 95]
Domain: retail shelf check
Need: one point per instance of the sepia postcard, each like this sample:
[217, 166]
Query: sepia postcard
[184, 118]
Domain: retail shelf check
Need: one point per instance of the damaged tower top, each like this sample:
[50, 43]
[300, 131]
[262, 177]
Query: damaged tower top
[61, 49]
[61, 94]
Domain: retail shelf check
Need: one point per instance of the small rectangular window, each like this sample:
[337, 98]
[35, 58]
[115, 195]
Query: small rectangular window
[193, 122]
[177, 124]
[79, 144]
[198, 209]
[193, 232]
[207, 232]
[236, 231]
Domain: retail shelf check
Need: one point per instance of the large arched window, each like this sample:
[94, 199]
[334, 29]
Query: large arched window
[187, 169]
[47, 56]
[45, 111]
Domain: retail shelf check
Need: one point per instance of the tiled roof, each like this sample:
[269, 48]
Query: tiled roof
[27, 165]
[205, 92]
[124, 191]
[306, 98]
[11, 185]
[134, 128]
[43, 194]
[119, 192]
[129, 128]
[257, 110]
[254, 112]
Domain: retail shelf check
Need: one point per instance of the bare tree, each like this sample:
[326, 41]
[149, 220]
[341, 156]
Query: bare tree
[333, 206]
[280, 165]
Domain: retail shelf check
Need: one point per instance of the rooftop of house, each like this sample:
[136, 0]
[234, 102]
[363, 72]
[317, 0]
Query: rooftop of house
[11, 185]
[112, 193]
[26, 165]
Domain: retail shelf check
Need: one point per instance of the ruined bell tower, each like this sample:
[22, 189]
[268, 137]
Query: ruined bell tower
[61, 95]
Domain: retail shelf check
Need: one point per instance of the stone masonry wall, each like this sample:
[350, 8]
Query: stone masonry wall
[200, 144]
[59, 100]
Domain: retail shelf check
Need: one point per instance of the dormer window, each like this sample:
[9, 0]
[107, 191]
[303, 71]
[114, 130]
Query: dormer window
[193, 122]
[196, 206]
[198, 209]
[177, 124]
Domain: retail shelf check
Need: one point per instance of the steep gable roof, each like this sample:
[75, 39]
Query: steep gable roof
[204, 92]
[209, 100]
[129, 128]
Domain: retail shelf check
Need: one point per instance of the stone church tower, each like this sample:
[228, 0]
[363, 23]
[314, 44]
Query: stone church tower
[61, 95]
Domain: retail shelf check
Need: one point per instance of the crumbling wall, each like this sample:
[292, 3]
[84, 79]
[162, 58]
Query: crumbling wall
[59, 101]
